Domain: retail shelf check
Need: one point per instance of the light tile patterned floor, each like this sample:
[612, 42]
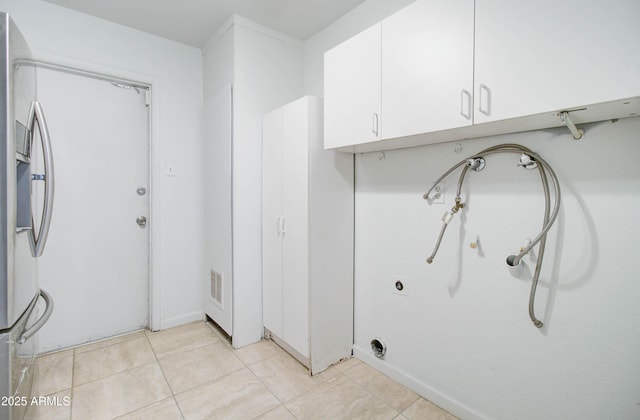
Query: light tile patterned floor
[190, 372]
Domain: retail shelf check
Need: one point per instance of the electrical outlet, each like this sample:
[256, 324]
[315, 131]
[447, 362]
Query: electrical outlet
[438, 194]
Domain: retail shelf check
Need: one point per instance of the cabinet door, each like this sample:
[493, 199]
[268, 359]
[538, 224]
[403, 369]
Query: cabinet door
[296, 238]
[545, 55]
[352, 90]
[272, 221]
[427, 67]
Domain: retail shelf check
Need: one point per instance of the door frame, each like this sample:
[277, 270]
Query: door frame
[151, 83]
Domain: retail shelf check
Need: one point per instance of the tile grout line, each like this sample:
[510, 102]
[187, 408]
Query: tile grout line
[129, 369]
[361, 385]
[248, 367]
[245, 365]
[206, 382]
[282, 403]
[37, 362]
[226, 344]
[268, 389]
[73, 385]
[372, 394]
[173, 395]
[398, 412]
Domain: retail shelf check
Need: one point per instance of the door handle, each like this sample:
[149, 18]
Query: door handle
[141, 221]
[36, 116]
[375, 124]
[465, 104]
[484, 105]
[28, 333]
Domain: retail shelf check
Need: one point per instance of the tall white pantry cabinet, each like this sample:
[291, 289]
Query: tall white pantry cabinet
[307, 237]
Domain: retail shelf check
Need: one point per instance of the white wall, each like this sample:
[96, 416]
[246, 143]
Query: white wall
[462, 336]
[219, 61]
[266, 73]
[218, 65]
[463, 333]
[61, 35]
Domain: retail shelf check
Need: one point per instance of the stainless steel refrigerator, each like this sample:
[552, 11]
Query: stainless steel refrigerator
[26, 204]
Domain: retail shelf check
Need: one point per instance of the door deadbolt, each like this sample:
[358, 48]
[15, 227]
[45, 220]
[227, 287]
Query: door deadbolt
[141, 221]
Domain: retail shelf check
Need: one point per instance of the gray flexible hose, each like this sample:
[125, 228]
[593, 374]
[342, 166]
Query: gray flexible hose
[544, 169]
[453, 211]
[543, 242]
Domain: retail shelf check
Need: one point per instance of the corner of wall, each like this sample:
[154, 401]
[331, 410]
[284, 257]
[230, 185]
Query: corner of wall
[219, 33]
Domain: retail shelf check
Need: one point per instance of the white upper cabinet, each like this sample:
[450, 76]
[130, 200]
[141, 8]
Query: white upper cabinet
[352, 90]
[427, 68]
[545, 55]
[442, 70]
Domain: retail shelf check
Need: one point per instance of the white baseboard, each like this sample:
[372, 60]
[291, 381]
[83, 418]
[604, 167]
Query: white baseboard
[444, 401]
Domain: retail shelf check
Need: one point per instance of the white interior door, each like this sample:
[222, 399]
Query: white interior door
[272, 222]
[295, 203]
[97, 256]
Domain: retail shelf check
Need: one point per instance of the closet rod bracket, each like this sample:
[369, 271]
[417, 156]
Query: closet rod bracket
[576, 132]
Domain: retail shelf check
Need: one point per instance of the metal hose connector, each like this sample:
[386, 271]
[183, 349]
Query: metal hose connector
[445, 222]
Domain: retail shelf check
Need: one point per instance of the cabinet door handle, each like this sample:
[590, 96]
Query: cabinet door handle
[485, 100]
[278, 225]
[374, 129]
[284, 225]
[465, 110]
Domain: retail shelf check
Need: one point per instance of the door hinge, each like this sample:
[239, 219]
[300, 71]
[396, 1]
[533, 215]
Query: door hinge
[147, 97]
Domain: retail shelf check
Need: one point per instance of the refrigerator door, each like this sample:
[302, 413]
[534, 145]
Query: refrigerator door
[18, 269]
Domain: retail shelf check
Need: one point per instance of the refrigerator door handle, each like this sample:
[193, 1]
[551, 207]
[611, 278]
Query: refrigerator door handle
[36, 116]
[29, 332]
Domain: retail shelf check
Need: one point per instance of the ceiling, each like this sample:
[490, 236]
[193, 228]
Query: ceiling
[192, 22]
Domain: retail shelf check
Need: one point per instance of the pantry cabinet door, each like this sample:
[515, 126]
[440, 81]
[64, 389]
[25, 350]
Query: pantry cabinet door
[352, 90]
[547, 55]
[272, 132]
[427, 67]
[296, 226]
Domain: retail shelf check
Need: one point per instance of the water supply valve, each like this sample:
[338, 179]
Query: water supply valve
[527, 162]
[476, 164]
